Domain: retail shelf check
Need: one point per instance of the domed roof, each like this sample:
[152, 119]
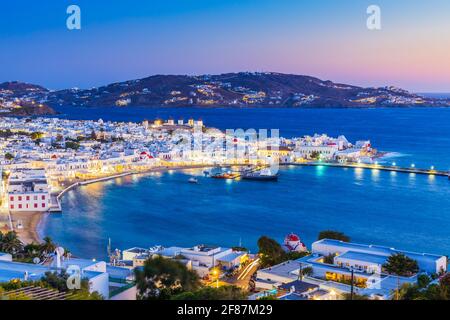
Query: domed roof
[292, 237]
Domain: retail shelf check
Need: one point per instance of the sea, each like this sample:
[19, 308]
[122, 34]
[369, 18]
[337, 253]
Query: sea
[405, 211]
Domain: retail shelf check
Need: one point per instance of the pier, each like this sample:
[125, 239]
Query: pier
[392, 168]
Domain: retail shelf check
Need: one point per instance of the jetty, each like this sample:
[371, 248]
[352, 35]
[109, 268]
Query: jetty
[392, 168]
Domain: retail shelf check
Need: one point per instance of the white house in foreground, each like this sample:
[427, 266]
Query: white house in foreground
[199, 258]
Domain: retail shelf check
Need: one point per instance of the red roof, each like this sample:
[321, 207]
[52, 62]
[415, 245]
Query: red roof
[292, 237]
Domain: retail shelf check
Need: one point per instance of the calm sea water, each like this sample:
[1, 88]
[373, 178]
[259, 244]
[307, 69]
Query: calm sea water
[400, 210]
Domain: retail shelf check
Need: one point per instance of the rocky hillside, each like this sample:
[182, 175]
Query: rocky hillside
[243, 89]
[23, 99]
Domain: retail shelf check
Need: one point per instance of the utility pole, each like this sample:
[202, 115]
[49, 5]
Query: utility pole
[352, 283]
[300, 272]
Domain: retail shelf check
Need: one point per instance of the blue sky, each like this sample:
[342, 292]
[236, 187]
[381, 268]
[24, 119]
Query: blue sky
[122, 40]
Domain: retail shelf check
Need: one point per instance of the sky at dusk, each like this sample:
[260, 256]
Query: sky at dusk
[122, 40]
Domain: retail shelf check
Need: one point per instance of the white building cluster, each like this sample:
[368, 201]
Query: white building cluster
[331, 279]
[199, 258]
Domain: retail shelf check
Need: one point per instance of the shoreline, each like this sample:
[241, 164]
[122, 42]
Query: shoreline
[33, 222]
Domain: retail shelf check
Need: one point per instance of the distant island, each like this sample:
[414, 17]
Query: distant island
[243, 89]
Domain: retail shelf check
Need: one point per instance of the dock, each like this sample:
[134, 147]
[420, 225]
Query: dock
[413, 170]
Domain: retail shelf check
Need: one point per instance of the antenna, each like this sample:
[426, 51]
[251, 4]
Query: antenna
[108, 249]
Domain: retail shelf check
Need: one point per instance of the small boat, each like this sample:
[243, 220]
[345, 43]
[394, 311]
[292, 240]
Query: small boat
[262, 175]
[193, 180]
[225, 176]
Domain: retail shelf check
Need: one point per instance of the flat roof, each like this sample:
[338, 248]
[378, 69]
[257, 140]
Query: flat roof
[361, 256]
[284, 269]
[299, 286]
[376, 249]
[231, 256]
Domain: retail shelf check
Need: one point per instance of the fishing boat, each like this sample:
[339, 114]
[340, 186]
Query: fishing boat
[193, 180]
[262, 175]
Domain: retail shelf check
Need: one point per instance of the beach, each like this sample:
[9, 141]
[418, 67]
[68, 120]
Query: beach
[30, 222]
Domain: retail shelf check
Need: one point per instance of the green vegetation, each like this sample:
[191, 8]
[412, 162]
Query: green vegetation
[161, 278]
[51, 280]
[271, 252]
[329, 259]
[269, 297]
[208, 293]
[36, 135]
[308, 271]
[336, 235]
[401, 265]
[423, 290]
[9, 156]
[72, 145]
[315, 155]
[10, 243]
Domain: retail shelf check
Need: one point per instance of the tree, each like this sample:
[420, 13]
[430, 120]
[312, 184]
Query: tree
[8, 156]
[315, 155]
[72, 145]
[161, 278]
[36, 135]
[329, 259]
[336, 235]
[401, 265]
[209, 293]
[307, 271]
[10, 243]
[48, 246]
[270, 251]
[423, 281]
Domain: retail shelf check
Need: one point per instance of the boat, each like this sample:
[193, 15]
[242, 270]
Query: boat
[193, 180]
[262, 175]
[225, 176]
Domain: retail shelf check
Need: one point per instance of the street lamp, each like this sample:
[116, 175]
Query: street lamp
[216, 274]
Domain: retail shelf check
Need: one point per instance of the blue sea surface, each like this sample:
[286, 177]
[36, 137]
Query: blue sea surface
[405, 211]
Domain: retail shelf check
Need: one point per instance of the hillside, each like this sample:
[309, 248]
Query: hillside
[244, 89]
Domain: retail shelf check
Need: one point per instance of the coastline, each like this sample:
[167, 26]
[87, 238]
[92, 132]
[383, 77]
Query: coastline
[33, 222]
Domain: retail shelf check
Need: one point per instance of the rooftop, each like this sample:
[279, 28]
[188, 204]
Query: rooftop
[378, 250]
[361, 256]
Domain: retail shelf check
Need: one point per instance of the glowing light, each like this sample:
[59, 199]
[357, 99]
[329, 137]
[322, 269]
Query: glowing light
[413, 165]
[394, 164]
[432, 167]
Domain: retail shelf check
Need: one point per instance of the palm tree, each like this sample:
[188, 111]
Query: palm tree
[48, 245]
[10, 243]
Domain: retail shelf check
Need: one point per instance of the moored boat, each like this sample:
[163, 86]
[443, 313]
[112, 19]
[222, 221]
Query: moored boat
[262, 175]
[193, 180]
